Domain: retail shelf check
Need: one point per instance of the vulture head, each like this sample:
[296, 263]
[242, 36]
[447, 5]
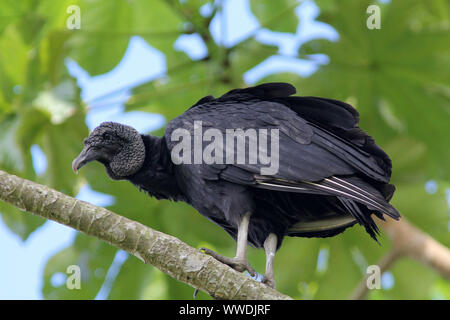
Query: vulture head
[118, 147]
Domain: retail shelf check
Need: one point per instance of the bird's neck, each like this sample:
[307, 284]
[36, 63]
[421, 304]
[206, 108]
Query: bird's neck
[156, 175]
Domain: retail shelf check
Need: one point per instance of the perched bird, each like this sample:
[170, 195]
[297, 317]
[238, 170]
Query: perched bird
[322, 175]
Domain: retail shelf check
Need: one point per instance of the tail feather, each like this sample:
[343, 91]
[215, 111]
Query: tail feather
[364, 193]
[363, 218]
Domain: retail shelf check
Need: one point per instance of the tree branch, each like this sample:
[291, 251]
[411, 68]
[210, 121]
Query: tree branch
[384, 264]
[167, 253]
[409, 241]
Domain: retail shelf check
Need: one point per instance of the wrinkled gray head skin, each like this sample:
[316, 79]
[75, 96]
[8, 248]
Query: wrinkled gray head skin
[119, 147]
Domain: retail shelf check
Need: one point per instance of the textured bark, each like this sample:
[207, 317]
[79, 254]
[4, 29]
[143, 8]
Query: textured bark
[167, 253]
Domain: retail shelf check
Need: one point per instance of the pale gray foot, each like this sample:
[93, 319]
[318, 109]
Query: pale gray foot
[270, 247]
[239, 262]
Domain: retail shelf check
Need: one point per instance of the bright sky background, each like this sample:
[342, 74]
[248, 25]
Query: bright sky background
[21, 270]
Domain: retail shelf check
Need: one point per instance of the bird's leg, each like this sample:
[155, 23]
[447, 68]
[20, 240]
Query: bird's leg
[270, 247]
[239, 262]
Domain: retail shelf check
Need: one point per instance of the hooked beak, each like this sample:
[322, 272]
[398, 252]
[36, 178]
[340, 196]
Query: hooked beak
[87, 155]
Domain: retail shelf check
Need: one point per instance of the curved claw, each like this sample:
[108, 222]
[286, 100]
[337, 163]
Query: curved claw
[237, 264]
[269, 281]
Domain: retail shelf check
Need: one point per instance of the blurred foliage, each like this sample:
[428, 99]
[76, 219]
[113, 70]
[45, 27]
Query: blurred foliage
[396, 76]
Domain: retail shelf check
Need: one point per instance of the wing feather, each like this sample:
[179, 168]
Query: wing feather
[362, 192]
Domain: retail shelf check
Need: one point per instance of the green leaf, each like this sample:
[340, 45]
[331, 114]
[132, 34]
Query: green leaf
[248, 54]
[441, 290]
[397, 78]
[412, 280]
[13, 60]
[173, 95]
[11, 159]
[22, 224]
[92, 256]
[427, 211]
[61, 144]
[390, 74]
[106, 29]
[57, 102]
[137, 280]
[293, 271]
[342, 274]
[103, 38]
[10, 11]
[276, 15]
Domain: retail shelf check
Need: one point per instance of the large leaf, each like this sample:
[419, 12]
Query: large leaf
[19, 222]
[92, 256]
[107, 26]
[276, 15]
[137, 280]
[193, 80]
[13, 64]
[394, 75]
[397, 77]
[428, 211]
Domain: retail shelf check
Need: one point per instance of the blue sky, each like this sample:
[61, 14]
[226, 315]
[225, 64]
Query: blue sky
[21, 275]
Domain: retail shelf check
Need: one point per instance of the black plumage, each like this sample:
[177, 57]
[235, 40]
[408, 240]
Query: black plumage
[331, 174]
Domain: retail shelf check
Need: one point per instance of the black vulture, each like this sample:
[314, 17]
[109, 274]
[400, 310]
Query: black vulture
[322, 175]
